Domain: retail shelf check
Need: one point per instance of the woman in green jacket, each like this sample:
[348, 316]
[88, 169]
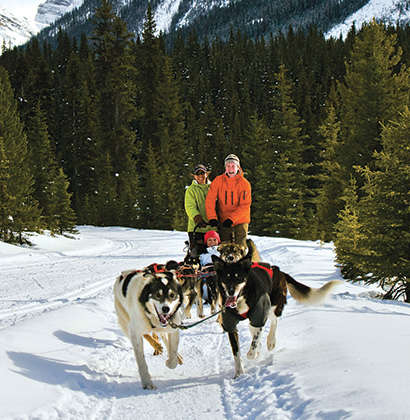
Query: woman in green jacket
[195, 196]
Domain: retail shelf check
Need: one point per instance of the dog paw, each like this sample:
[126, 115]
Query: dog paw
[252, 354]
[171, 364]
[201, 316]
[149, 385]
[271, 345]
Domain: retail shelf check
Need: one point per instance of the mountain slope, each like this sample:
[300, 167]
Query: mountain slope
[210, 18]
[51, 10]
[14, 30]
[389, 11]
[19, 21]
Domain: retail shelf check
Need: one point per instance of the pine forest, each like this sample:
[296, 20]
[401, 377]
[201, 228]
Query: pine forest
[104, 130]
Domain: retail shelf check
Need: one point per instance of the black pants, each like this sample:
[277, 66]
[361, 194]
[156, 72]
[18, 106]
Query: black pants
[197, 241]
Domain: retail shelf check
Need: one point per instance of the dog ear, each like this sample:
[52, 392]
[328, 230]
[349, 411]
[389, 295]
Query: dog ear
[171, 265]
[219, 264]
[221, 247]
[246, 262]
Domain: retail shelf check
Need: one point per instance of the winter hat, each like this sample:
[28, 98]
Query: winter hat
[212, 234]
[199, 167]
[232, 158]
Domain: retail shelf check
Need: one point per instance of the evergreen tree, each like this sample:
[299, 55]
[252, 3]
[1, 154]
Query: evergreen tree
[43, 164]
[102, 207]
[211, 144]
[328, 199]
[150, 63]
[37, 84]
[172, 156]
[349, 237]
[153, 198]
[79, 143]
[286, 207]
[64, 218]
[50, 185]
[385, 211]
[115, 76]
[255, 159]
[5, 197]
[24, 214]
[373, 92]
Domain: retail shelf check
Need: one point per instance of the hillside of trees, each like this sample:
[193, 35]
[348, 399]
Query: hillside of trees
[252, 18]
[108, 135]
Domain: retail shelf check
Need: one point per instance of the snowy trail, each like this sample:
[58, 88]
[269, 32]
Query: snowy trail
[83, 268]
[63, 356]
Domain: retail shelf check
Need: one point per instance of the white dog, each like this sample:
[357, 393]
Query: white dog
[147, 303]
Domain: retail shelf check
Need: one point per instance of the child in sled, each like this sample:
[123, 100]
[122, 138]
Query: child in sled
[212, 240]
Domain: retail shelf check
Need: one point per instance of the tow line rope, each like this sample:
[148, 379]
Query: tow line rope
[185, 327]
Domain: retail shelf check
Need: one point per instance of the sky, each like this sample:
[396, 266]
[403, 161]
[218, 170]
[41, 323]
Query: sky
[63, 355]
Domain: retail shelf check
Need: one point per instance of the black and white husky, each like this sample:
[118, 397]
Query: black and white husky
[257, 292]
[148, 303]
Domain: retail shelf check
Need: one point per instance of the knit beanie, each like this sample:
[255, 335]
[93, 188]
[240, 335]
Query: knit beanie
[232, 158]
[212, 234]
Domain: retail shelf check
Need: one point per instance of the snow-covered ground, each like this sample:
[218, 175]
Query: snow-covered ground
[63, 356]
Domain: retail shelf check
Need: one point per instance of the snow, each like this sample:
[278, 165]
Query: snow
[385, 10]
[22, 8]
[63, 356]
[164, 13]
[14, 31]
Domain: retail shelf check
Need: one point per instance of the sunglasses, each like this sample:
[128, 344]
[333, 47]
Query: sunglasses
[200, 173]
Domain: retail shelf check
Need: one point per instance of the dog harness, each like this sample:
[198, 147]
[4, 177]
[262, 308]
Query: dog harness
[267, 269]
[158, 268]
[127, 280]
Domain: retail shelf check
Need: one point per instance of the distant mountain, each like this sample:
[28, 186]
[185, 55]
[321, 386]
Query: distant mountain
[51, 10]
[388, 11]
[210, 18]
[17, 28]
[215, 18]
[14, 30]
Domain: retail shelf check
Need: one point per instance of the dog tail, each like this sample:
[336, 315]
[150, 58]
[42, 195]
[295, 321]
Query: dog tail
[310, 295]
[253, 251]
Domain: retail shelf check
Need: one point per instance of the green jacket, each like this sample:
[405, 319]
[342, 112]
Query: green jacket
[195, 196]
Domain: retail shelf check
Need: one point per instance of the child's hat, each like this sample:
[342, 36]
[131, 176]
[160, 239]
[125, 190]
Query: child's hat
[212, 234]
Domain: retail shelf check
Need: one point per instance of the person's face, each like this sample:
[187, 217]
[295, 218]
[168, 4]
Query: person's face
[231, 168]
[211, 242]
[200, 177]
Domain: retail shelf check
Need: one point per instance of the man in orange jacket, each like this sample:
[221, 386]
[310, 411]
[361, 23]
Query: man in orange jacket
[228, 203]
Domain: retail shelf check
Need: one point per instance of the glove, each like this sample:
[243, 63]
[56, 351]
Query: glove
[213, 222]
[199, 221]
[227, 223]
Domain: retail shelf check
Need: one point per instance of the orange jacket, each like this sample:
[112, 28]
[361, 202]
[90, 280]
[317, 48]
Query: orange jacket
[229, 198]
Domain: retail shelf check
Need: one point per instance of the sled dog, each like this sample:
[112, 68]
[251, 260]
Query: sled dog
[187, 275]
[232, 252]
[209, 278]
[147, 303]
[257, 291]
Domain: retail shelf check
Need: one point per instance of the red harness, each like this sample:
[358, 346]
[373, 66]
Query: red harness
[267, 269]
